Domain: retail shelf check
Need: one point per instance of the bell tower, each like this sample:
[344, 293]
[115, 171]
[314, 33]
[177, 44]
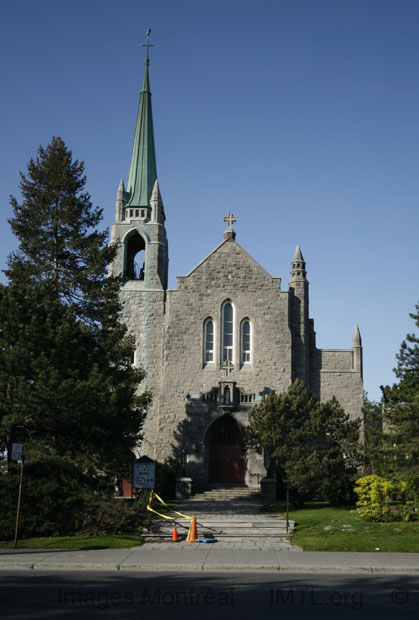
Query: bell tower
[142, 251]
[139, 226]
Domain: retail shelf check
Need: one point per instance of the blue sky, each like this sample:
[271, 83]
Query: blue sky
[299, 116]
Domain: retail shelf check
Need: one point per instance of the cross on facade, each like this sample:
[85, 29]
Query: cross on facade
[147, 44]
[230, 219]
[227, 367]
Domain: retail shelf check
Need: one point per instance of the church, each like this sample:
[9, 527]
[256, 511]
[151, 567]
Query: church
[218, 343]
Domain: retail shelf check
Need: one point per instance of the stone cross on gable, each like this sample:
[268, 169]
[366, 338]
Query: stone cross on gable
[227, 367]
[230, 219]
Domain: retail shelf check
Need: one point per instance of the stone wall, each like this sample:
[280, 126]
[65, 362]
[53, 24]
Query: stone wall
[228, 273]
[168, 327]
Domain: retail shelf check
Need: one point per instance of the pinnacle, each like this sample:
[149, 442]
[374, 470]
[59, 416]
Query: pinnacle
[155, 194]
[298, 255]
[121, 189]
[357, 340]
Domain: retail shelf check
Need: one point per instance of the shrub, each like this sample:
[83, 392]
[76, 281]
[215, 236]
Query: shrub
[109, 516]
[382, 500]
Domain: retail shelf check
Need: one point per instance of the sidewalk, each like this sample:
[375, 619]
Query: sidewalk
[208, 558]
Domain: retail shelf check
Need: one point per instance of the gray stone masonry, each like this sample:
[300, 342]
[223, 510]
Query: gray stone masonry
[168, 327]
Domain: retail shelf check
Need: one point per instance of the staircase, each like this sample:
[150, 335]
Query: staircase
[231, 514]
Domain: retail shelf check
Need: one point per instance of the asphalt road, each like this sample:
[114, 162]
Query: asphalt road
[29, 595]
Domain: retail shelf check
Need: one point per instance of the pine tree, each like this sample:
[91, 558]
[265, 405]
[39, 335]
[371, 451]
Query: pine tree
[401, 405]
[313, 446]
[65, 386]
[68, 389]
[377, 459]
[59, 244]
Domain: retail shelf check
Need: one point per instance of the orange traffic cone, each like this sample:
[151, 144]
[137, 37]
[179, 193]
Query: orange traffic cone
[192, 534]
[174, 535]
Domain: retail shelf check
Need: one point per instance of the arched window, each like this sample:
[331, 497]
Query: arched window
[208, 341]
[227, 336]
[245, 342]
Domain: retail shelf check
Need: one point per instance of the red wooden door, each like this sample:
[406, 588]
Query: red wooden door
[226, 458]
[226, 463]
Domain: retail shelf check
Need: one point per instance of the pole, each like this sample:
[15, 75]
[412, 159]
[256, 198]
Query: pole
[287, 507]
[18, 505]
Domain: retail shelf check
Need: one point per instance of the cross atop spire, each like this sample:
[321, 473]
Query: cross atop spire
[147, 44]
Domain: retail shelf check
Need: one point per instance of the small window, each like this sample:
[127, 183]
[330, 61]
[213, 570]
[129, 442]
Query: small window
[245, 342]
[227, 332]
[209, 341]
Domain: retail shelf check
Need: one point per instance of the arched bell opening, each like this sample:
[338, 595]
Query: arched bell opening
[135, 257]
[226, 458]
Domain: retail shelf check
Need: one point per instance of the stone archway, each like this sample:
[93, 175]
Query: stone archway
[134, 257]
[226, 460]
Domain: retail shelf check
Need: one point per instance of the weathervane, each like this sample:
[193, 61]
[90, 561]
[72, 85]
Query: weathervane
[147, 44]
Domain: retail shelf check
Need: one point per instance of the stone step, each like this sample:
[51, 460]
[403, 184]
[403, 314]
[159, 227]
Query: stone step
[243, 523]
[227, 513]
[210, 533]
[223, 528]
[222, 496]
[225, 539]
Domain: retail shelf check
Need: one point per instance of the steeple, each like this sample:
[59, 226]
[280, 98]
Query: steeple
[142, 170]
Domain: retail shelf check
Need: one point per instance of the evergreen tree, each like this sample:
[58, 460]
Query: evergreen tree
[65, 386]
[59, 244]
[68, 389]
[401, 405]
[377, 459]
[313, 446]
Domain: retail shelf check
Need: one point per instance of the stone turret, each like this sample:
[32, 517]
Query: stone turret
[299, 319]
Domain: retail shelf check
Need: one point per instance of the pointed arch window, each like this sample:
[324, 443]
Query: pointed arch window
[245, 339]
[227, 335]
[208, 341]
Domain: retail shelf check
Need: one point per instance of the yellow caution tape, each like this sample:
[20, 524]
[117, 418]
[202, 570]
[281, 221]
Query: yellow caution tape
[154, 494]
[159, 513]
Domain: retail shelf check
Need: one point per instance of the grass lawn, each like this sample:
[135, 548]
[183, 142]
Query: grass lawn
[313, 518]
[77, 542]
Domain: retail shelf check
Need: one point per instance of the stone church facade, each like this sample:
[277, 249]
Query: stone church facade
[226, 336]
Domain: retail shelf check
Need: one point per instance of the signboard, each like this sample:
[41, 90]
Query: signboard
[144, 473]
[17, 451]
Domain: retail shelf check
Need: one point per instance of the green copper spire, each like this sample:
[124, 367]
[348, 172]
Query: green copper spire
[142, 170]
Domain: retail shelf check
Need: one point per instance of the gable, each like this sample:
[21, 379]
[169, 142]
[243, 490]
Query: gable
[228, 262]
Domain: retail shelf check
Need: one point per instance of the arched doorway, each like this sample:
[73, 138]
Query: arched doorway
[225, 452]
